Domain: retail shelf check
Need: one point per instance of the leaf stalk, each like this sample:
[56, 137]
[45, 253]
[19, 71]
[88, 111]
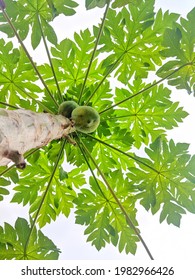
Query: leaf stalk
[94, 50]
[50, 60]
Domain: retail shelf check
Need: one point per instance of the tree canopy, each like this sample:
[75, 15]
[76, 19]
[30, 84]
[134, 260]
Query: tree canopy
[125, 68]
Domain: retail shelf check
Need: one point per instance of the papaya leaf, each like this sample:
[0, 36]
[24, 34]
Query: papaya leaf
[73, 58]
[90, 4]
[108, 225]
[66, 7]
[3, 191]
[14, 76]
[129, 51]
[121, 3]
[147, 115]
[25, 15]
[163, 180]
[179, 44]
[110, 67]
[13, 241]
[58, 194]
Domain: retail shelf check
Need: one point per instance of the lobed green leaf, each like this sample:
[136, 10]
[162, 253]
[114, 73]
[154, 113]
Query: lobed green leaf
[13, 243]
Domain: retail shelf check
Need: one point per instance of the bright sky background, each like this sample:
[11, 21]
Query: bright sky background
[166, 242]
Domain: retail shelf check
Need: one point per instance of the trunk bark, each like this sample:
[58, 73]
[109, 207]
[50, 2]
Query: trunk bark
[22, 130]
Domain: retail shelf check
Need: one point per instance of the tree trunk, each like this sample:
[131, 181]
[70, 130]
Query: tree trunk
[22, 130]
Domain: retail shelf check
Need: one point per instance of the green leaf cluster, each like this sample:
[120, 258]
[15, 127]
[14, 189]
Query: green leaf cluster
[3, 191]
[164, 181]
[70, 59]
[13, 243]
[16, 88]
[178, 44]
[129, 51]
[147, 115]
[97, 210]
[38, 182]
[28, 16]
[6, 178]
[111, 67]
[90, 4]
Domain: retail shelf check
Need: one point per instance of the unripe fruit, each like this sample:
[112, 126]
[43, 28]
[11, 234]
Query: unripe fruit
[86, 119]
[66, 108]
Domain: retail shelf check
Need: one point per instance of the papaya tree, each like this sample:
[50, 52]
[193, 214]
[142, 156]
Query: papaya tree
[124, 70]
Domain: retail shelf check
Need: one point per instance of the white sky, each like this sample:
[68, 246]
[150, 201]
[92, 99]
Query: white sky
[166, 242]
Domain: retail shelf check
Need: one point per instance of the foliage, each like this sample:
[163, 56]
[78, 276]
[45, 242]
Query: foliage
[14, 240]
[111, 68]
[165, 179]
[179, 43]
